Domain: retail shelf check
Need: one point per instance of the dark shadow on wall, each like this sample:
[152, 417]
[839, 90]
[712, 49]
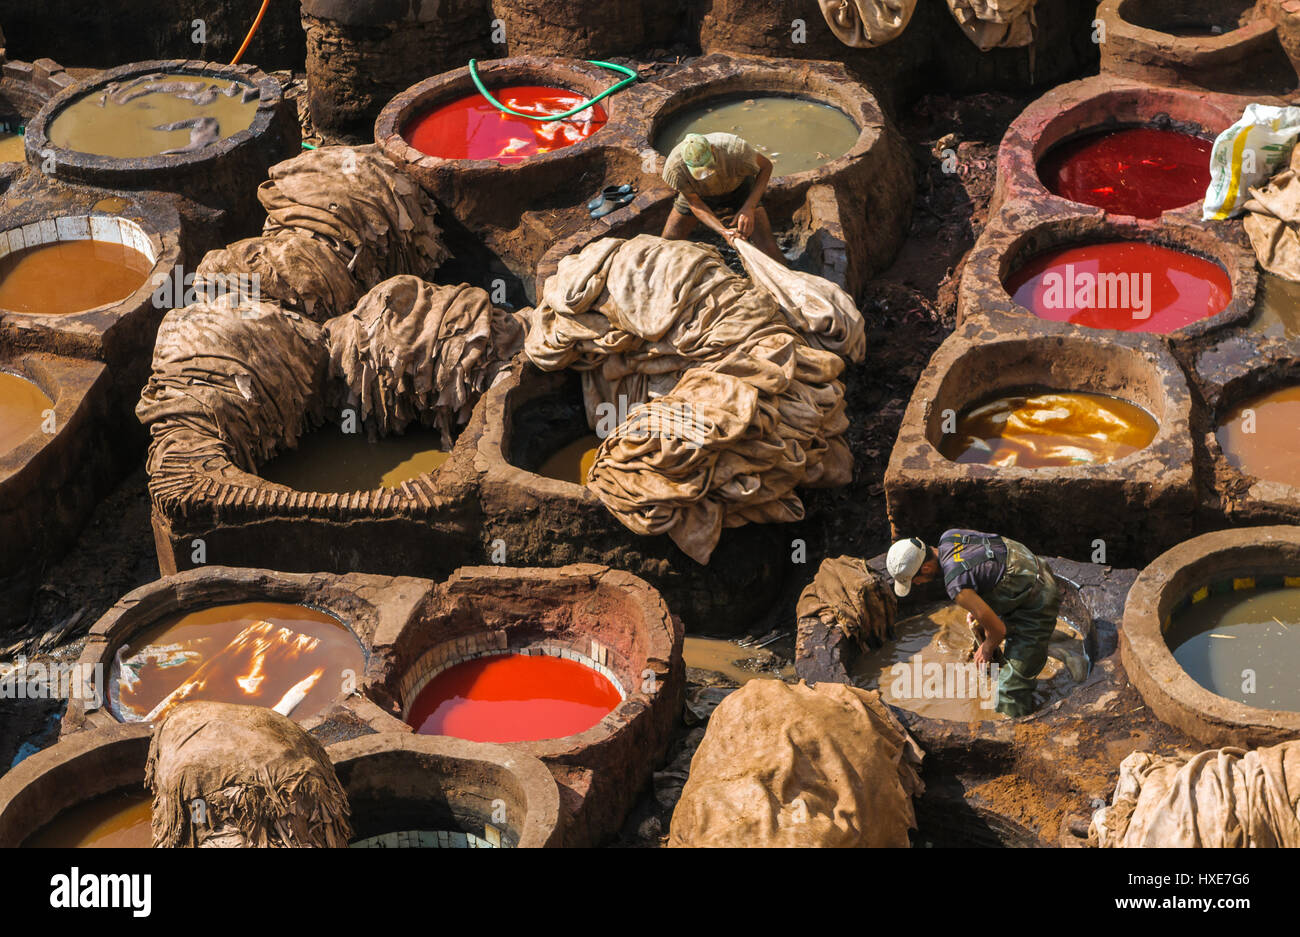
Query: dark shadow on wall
[98, 34]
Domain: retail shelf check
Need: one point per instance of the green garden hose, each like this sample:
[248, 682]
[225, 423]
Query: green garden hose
[631, 74]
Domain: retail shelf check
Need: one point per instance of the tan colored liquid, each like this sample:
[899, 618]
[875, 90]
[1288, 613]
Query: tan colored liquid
[70, 276]
[250, 652]
[1277, 313]
[1267, 446]
[22, 410]
[1050, 429]
[796, 135]
[1243, 645]
[731, 660]
[124, 120]
[12, 148]
[118, 820]
[942, 637]
[331, 461]
[573, 462]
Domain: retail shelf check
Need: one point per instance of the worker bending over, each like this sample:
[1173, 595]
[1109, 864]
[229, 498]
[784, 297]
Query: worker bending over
[720, 180]
[1008, 593]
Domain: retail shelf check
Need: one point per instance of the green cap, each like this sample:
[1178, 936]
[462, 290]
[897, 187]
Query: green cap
[697, 153]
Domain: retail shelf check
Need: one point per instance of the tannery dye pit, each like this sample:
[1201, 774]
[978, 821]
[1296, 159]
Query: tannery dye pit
[1261, 436]
[63, 277]
[1050, 428]
[117, 820]
[330, 460]
[473, 128]
[291, 658]
[1124, 285]
[573, 462]
[24, 407]
[12, 148]
[1136, 171]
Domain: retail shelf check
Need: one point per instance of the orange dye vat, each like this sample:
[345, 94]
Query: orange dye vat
[1262, 436]
[472, 128]
[117, 820]
[1131, 286]
[290, 658]
[22, 411]
[64, 277]
[513, 698]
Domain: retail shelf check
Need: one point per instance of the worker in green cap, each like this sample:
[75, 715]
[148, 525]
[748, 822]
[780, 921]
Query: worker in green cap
[1008, 593]
[720, 180]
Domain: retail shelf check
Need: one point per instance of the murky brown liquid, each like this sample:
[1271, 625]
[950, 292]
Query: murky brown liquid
[70, 276]
[12, 148]
[573, 462]
[257, 653]
[731, 660]
[1268, 446]
[1243, 641]
[796, 135]
[942, 637]
[1050, 429]
[22, 410]
[1277, 311]
[329, 460]
[124, 120]
[117, 820]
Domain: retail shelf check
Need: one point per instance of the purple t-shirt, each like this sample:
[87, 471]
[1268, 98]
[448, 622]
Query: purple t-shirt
[982, 574]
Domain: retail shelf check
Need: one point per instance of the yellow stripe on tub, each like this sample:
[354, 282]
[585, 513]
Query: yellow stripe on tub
[1201, 594]
[1291, 582]
[1245, 582]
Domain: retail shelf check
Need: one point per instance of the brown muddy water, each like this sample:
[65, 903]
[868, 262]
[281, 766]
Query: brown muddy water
[155, 115]
[1261, 436]
[736, 663]
[117, 820]
[573, 462]
[1243, 645]
[1277, 311]
[928, 668]
[1046, 429]
[12, 148]
[22, 410]
[795, 134]
[288, 657]
[64, 277]
[329, 460]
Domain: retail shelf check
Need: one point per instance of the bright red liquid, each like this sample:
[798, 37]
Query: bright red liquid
[472, 128]
[1172, 288]
[1139, 171]
[513, 698]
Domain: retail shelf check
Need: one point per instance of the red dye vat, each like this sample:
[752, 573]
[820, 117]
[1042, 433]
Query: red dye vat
[472, 128]
[1138, 171]
[1131, 286]
[513, 698]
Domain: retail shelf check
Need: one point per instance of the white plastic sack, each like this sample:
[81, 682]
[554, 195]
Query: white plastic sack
[1247, 154]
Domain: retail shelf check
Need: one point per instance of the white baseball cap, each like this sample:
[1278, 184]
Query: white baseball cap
[904, 561]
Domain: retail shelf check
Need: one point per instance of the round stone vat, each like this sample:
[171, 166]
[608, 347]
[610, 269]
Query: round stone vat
[360, 54]
[69, 775]
[51, 477]
[1225, 562]
[1115, 292]
[525, 420]
[215, 182]
[437, 792]
[313, 678]
[1219, 45]
[1251, 439]
[1130, 508]
[869, 178]
[604, 620]
[1094, 106]
[517, 208]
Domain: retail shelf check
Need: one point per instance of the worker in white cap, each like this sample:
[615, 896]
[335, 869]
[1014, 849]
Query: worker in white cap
[1008, 593]
[720, 180]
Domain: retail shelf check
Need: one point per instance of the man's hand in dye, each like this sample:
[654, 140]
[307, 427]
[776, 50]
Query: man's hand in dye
[986, 653]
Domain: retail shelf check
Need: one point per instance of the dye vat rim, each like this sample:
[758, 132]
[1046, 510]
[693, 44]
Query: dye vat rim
[212, 585]
[1037, 390]
[1009, 242]
[270, 96]
[668, 110]
[1173, 695]
[462, 763]
[102, 229]
[566, 74]
[70, 383]
[1112, 12]
[70, 772]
